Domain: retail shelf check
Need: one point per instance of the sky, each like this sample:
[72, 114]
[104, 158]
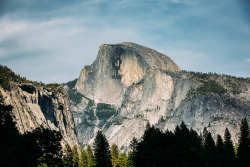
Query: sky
[52, 40]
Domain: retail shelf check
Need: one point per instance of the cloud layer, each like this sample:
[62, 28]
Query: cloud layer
[51, 41]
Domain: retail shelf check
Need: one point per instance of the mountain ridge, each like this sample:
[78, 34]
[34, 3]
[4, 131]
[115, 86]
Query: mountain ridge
[36, 104]
[127, 86]
[143, 88]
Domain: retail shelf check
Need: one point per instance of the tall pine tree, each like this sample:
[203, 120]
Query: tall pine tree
[101, 151]
[219, 150]
[75, 154]
[122, 160]
[243, 152]
[90, 157]
[83, 159]
[68, 156]
[114, 154]
[210, 149]
[229, 155]
[9, 138]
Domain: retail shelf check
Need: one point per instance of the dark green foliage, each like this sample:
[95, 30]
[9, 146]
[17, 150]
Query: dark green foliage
[83, 159]
[45, 144]
[201, 75]
[9, 138]
[90, 156]
[229, 154]
[114, 154]
[209, 83]
[104, 107]
[104, 111]
[167, 149]
[56, 88]
[243, 151]
[210, 150]
[133, 151]
[68, 156]
[75, 96]
[198, 74]
[130, 160]
[6, 75]
[219, 150]
[122, 160]
[40, 147]
[101, 151]
[211, 87]
[91, 103]
[133, 145]
[75, 158]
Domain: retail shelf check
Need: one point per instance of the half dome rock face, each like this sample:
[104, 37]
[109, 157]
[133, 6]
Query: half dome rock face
[129, 85]
[120, 66]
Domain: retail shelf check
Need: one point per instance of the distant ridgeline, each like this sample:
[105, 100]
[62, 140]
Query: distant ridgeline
[7, 76]
[211, 86]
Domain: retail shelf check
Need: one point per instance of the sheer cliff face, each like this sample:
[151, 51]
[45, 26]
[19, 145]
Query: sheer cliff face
[120, 66]
[34, 105]
[138, 84]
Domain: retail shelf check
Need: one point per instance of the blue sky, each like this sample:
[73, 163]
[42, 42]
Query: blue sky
[52, 40]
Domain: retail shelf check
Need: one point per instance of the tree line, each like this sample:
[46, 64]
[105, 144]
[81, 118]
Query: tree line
[208, 74]
[183, 147]
[41, 147]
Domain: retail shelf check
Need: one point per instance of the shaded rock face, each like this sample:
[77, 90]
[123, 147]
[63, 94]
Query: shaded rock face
[34, 106]
[128, 85]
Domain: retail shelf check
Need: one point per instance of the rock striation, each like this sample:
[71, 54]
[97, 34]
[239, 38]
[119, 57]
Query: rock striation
[34, 106]
[129, 84]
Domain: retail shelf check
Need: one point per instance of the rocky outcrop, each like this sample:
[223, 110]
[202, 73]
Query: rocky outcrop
[34, 106]
[128, 85]
[116, 68]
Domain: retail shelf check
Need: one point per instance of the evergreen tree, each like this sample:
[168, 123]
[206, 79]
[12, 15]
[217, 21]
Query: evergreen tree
[40, 147]
[122, 160]
[219, 150]
[229, 155]
[184, 130]
[204, 134]
[101, 151]
[130, 160]
[132, 155]
[133, 145]
[83, 160]
[90, 157]
[177, 131]
[9, 138]
[195, 140]
[45, 144]
[75, 154]
[243, 152]
[210, 149]
[114, 154]
[68, 156]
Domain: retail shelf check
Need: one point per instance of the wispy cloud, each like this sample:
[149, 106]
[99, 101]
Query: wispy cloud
[248, 60]
[57, 38]
[187, 2]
